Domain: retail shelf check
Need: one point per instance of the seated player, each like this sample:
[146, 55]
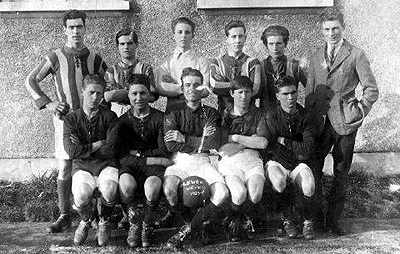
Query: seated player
[169, 73]
[143, 158]
[291, 132]
[277, 64]
[234, 63]
[190, 133]
[118, 77]
[244, 125]
[93, 165]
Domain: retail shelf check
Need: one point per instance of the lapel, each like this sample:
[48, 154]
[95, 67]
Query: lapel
[343, 53]
[322, 64]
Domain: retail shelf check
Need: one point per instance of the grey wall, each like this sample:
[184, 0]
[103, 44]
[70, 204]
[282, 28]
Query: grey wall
[27, 133]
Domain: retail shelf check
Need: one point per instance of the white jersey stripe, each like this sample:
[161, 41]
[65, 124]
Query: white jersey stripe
[64, 75]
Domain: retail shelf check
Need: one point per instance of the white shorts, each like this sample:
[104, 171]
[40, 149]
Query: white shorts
[59, 150]
[84, 177]
[291, 174]
[243, 164]
[194, 165]
[119, 109]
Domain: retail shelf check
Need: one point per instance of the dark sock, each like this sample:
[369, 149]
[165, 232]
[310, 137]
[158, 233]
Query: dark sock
[64, 193]
[209, 212]
[285, 202]
[86, 212]
[150, 210]
[104, 209]
[308, 208]
[236, 210]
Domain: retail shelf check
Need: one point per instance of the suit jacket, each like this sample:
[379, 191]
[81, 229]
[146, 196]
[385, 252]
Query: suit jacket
[330, 90]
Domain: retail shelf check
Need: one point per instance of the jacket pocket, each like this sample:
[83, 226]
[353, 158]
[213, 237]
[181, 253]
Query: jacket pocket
[352, 111]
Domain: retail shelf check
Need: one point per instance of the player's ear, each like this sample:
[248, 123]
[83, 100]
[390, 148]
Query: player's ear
[231, 93]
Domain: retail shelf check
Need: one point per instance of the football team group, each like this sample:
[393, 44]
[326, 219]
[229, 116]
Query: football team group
[114, 148]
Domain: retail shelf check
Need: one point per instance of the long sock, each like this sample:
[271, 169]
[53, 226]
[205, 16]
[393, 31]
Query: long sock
[309, 208]
[104, 209]
[285, 202]
[209, 212]
[86, 212]
[236, 210]
[64, 193]
[150, 210]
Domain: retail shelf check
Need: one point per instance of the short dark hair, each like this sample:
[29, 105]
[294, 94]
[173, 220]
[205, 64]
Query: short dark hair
[188, 71]
[124, 32]
[139, 79]
[233, 24]
[275, 30]
[331, 14]
[74, 14]
[93, 79]
[284, 81]
[241, 82]
[183, 20]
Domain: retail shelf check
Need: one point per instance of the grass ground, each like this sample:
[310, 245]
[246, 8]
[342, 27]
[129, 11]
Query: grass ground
[365, 236]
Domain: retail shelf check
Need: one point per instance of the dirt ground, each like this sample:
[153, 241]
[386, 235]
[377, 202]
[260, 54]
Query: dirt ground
[365, 236]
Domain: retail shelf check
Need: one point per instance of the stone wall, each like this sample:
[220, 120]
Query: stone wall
[24, 38]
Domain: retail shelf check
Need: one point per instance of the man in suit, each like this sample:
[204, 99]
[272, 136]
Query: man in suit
[335, 71]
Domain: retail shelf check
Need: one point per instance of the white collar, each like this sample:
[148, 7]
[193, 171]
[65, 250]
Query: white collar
[337, 46]
[179, 51]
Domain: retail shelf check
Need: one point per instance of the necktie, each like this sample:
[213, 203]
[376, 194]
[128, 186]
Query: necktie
[332, 55]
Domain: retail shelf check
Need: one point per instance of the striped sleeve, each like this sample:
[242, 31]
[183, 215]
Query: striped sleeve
[40, 72]
[148, 71]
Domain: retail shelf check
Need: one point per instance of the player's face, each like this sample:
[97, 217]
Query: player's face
[332, 31]
[183, 35]
[236, 39]
[276, 46]
[126, 47]
[75, 31]
[139, 96]
[92, 95]
[242, 97]
[190, 87]
[287, 96]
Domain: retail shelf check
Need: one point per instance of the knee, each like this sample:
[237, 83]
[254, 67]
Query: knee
[238, 195]
[127, 186]
[171, 191]
[82, 195]
[255, 186]
[64, 169]
[279, 185]
[108, 190]
[308, 188]
[255, 195]
[152, 188]
[219, 193]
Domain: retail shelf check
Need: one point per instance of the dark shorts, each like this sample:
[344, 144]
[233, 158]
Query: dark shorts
[138, 169]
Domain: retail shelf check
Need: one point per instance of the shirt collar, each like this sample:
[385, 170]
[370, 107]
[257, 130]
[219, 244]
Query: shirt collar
[180, 52]
[337, 46]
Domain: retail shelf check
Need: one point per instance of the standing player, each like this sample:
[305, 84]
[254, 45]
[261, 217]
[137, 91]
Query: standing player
[233, 64]
[291, 132]
[169, 74]
[336, 69]
[85, 140]
[143, 158]
[119, 76]
[68, 66]
[277, 64]
[191, 132]
[244, 170]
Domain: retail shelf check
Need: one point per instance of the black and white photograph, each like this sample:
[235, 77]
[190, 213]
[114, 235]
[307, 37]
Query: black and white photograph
[200, 126]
